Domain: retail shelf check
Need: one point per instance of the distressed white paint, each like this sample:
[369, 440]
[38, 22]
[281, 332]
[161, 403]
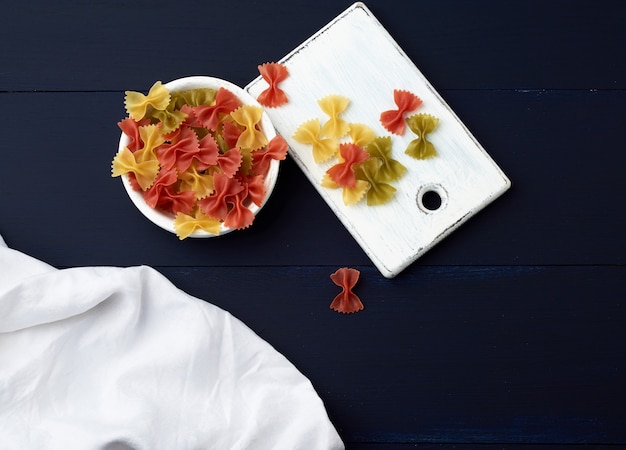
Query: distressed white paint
[355, 56]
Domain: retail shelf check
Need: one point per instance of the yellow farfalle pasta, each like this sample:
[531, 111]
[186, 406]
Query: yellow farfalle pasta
[361, 134]
[199, 182]
[151, 137]
[421, 125]
[249, 116]
[328, 182]
[350, 195]
[185, 224]
[333, 105]
[390, 169]
[145, 171]
[323, 148]
[137, 104]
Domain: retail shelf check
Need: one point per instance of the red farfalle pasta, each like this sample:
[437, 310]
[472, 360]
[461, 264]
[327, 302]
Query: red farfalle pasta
[275, 149]
[209, 116]
[216, 204]
[163, 194]
[393, 120]
[180, 150]
[208, 153]
[256, 188]
[191, 119]
[229, 162]
[347, 301]
[239, 216]
[131, 129]
[230, 134]
[343, 173]
[273, 74]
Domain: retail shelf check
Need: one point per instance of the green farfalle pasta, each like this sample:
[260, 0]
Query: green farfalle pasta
[379, 192]
[170, 120]
[421, 125]
[193, 97]
[390, 169]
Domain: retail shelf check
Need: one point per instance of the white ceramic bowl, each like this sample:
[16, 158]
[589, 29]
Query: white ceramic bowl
[165, 220]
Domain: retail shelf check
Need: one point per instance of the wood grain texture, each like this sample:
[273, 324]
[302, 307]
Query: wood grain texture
[508, 334]
[451, 354]
[488, 44]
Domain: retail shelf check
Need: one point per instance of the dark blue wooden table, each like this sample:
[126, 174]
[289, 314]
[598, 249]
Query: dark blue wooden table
[512, 331]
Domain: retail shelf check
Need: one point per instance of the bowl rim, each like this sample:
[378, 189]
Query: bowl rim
[165, 220]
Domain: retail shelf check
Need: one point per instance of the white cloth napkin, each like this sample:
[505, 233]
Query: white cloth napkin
[119, 358]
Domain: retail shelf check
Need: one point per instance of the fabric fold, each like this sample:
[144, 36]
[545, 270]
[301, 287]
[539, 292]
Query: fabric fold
[106, 357]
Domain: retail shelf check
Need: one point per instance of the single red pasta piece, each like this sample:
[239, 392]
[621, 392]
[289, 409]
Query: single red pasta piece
[255, 185]
[231, 133]
[239, 216]
[210, 116]
[347, 301]
[343, 173]
[191, 119]
[176, 202]
[164, 178]
[256, 190]
[275, 149]
[131, 129]
[208, 153]
[393, 120]
[180, 151]
[273, 74]
[229, 162]
[132, 180]
[162, 194]
[216, 204]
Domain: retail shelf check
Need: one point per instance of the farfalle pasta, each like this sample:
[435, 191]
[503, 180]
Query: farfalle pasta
[130, 128]
[346, 301]
[198, 182]
[342, 173]
[199, 155]
[179, 151]
[193, 97]
[187, 224]
[333, 105]
[273, 74]
[276, 149]
[379, 192]
[393, 120]
[138, 104]
[364, 165]
[390, 169]
[361, 134]
[251, 138]
[323, 148]
[210, 116]
[421, 125]
[145, 172]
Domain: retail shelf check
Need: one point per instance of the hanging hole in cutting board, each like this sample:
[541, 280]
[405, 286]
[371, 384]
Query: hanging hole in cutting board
[431, 198]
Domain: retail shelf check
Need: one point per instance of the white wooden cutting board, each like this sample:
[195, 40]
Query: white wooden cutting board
[354, 56]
